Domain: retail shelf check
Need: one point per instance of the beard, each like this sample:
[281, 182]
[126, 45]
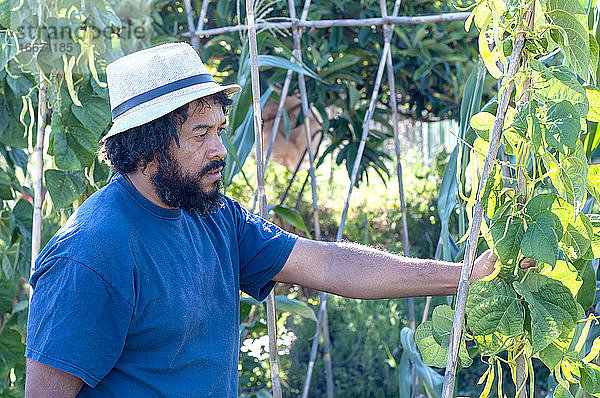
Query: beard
[181, 190]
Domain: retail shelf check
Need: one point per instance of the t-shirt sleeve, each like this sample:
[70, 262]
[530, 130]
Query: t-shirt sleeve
[264, 249]
[77, 321]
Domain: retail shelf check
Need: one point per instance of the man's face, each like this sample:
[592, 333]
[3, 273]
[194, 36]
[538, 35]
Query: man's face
[191, 178]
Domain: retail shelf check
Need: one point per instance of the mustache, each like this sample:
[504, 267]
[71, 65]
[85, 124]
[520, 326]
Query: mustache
[215, 164]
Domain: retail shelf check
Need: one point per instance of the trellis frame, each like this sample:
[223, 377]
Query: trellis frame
[197, 31]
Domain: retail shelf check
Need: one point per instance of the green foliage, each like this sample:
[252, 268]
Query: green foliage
[431, 64]
[63, 47]
[535, 202]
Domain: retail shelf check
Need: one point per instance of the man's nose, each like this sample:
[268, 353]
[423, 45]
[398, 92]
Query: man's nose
[216, 148]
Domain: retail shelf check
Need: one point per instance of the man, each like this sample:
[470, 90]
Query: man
[137, 294]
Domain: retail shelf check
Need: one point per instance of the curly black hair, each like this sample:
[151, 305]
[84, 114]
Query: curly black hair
[138, 146]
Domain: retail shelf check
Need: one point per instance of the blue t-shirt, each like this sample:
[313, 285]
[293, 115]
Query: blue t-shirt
[140, 301]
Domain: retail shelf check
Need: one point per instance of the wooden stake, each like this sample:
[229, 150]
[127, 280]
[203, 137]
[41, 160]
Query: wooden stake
[262, 200]
[315, 345]
[470, 251]
[38, 172]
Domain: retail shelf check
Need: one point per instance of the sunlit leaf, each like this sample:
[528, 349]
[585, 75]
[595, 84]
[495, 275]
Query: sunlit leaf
[552, 307]
[493, 308]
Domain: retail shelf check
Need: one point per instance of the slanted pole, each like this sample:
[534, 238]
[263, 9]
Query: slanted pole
[280, 108]
[262, 200]
[38, 172]
[470, 250]
[366, 122]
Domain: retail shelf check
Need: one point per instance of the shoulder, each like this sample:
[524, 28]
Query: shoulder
[95, 236]
[98, 220]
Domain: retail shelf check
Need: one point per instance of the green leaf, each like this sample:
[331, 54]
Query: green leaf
[561, 392]
[243, 138]
[565, 273]
[540, 242]
[64, 186]
[552, 307]
[339, 64]
[593, 181]
[492, 192]
[577, 237]
[493, 307]
[482, 123]
[507, 233]
[430, 377]
[296, 307]
[432, 353]
[83, 143]
[558, 84]
[94, 115]
[12, 350]
[552, 354]
[536, 132]
[590, 378]
[6, 192]
[7, 294]
[593, 96]
[447, 201]
[562, 126]
[545, 202]
[519, 122]
[291, 216]
[571, 33]
[279, 62]
[569, 175]
[587, 291]
[64, 157]
[442, 324]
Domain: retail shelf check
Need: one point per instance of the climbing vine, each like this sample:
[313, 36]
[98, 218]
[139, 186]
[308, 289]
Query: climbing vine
[538, 203]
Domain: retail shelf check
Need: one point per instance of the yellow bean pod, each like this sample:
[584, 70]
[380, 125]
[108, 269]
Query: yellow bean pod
[69, 64]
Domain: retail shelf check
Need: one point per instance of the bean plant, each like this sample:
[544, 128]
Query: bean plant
[537, 201]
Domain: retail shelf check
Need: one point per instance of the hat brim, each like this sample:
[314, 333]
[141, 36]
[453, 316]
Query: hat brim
[164, 104]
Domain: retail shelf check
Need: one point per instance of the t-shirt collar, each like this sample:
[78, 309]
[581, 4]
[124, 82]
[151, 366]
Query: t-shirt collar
[154, 209]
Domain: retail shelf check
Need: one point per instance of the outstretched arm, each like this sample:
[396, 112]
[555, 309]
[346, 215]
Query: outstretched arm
[357, 271]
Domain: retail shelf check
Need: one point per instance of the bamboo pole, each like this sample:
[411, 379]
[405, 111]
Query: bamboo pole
[262, 200]
[328, 23]
[297, 35]
[405, 243]
[392, 85]
[305, 110]
[38, 171]
[200, 24]
[282, 97]
[470, 250]
[313, 349]
[366, 122]
[190, 22]
[327, 354]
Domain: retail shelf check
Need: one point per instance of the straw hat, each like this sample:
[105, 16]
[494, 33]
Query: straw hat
[148, 84]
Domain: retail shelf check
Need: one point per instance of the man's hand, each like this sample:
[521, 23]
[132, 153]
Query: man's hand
[484, 265]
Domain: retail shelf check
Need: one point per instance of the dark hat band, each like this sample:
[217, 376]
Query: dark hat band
[161, 90]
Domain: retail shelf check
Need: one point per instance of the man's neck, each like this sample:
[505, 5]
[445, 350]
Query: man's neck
[142, 183]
